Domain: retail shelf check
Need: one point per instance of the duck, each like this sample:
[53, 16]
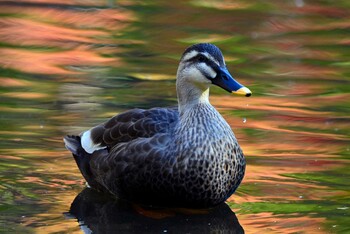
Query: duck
[184, 156]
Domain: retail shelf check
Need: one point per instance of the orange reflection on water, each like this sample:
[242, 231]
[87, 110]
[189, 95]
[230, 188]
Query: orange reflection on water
[11, 82]
[51, 62]
[69, 35]
[29, 32]
[25, 95]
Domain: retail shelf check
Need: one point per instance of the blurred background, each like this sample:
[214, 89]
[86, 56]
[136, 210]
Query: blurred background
[68, 65]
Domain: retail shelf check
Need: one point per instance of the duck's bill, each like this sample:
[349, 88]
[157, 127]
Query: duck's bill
[224, 80]
[243, 91]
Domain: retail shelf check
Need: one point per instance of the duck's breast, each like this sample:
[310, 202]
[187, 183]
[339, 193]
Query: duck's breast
[209, 160]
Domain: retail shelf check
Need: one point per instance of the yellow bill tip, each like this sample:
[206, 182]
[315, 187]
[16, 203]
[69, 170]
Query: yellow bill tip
[243, 91]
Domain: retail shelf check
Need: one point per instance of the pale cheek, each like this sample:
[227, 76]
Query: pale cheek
[207, 70]
[195, 76]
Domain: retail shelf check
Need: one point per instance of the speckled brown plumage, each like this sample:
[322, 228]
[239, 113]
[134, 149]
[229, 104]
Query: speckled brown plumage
[184, 156]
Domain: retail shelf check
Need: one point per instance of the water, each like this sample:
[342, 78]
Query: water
[68, 65]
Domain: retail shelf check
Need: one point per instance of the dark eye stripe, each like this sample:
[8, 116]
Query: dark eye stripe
[203, 59]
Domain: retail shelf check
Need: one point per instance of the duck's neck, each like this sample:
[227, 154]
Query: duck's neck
[190, 95]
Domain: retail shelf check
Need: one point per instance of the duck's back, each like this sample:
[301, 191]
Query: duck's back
[134, 124]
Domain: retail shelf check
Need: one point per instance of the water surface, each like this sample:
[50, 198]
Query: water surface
[68, 65]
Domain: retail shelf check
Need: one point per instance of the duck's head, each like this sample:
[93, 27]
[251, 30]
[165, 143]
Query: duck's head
[203, 65]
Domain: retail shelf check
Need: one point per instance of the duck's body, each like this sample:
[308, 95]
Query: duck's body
[185, 156]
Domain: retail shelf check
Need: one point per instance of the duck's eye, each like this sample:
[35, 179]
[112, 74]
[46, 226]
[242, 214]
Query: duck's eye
[201, 58]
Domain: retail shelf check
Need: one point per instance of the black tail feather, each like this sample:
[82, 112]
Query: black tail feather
[72, 143]
[82, 158]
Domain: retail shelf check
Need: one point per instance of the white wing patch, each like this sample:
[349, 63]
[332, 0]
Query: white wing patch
[87, 143]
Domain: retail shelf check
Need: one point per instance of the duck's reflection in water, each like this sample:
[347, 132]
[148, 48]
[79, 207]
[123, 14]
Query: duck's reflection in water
[98, 213]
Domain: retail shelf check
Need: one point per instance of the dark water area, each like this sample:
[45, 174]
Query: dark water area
[68, 65]
[119, 216]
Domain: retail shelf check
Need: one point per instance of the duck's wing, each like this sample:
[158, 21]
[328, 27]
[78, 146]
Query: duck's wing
[137, 141]
[133, 165]
[124, 141]
[127, 126]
